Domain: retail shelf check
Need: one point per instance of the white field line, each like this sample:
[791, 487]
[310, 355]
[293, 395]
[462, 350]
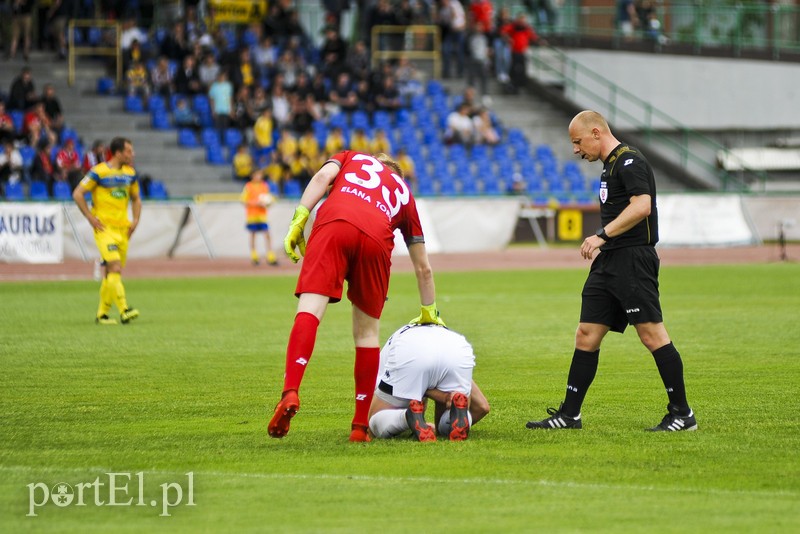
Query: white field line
[383, 480]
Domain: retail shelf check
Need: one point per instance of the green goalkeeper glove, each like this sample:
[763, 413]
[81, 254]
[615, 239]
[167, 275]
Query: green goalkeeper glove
[295, 238]
[429, 315]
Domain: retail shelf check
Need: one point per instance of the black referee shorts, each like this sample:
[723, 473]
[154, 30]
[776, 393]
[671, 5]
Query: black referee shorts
[622, 288]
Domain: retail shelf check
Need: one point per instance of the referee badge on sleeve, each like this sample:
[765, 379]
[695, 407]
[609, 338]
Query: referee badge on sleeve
[603, 192]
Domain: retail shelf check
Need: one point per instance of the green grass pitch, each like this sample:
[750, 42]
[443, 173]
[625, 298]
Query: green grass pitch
[190, 386]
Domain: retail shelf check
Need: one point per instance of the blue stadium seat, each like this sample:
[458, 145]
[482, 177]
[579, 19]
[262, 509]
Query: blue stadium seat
[291, 189]
[157, 191]
[38, 191]
[14, 191]
[27, 153]
[19, 118]
[160, 120]
[95, 36]
[105, 85]
[133, 104]
[215, 155]
[186, 138]
[233, 138]
[62, 191]
[156, 103]
[210, 137]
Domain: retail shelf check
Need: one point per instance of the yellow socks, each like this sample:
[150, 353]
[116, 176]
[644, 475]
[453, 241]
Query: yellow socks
[117, 291]
[105, 299]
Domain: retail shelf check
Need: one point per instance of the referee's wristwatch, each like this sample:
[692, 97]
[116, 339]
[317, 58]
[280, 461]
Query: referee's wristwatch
[601, 233]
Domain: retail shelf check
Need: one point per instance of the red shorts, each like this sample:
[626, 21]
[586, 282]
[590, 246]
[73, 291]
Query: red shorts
[338, 251]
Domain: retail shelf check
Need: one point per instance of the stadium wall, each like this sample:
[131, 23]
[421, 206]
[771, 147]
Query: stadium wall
[41, 232]
[702, 93]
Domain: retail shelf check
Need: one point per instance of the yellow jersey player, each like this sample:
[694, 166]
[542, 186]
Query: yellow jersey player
[256, 198]
[113, 185]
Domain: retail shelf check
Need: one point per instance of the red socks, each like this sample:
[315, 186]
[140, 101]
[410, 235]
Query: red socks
[298, 352]
[366, 373]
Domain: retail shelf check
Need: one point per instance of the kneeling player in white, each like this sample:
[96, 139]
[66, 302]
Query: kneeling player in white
[426, 361]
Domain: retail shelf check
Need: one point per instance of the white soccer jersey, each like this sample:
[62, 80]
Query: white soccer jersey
[421, 357]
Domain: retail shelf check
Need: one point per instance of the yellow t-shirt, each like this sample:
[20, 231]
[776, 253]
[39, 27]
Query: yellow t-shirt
[111, 191]
[243, 164]
[381, 144]
[309, 146]
[360, 143]
[262, 131]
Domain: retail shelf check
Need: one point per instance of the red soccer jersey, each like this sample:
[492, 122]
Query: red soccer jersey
[370, 196]
[68, 159]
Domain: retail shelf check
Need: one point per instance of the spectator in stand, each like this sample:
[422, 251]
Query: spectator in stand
[36, 125]
[134, 53]
[68, 164]
[265, 57]
[279, 21]
[408, 79]
[359, 141]
[243, 164]
[358, 61]
[502, 48]
[521, 35]
[183, 116]
[281, 109]
[208, 70]
[11, 170]
[342, 95]
[98, 154]
[287, 147]
[407, 166]
[23, 92]
[335, 141]
[388, 99]
[482, 12]
[42, 168]
[7, 129]
[627, 19]
[381, 14]
[162, 78]
[334, 47]
[60, 11]
[221, 95]
[366, 98]
[453, 22]
[21, 23]
[308, 146]
[130, 33]
[301, 119]
[243, 116]
[187, 79]
[302, 86]
[470, 98]
[137, 80]
[478, 60]
[259, 101]
[380, 142]
[52, 108]
[244, 72]
[175, 46]
[275, 171]
[460, 128]
[264, 129]
[319, 89]
[485, 132]
[289, 67]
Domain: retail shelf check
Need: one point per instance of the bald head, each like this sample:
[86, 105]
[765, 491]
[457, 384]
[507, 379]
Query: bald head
[591, 137]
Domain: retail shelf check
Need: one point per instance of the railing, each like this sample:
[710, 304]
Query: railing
[420, 42]
[622, 107]
[100, 50]
[738, 27]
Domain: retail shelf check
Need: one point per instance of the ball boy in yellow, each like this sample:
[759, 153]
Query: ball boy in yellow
[113, 185]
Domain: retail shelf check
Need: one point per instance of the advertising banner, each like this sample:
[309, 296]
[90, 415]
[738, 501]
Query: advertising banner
[31, 233]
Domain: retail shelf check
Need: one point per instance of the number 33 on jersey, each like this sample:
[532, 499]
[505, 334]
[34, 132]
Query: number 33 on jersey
[371, 196]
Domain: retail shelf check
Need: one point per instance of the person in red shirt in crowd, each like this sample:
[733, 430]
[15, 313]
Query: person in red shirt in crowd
[7, 130]
[98, 154]
[482, 11]
[352, 240]
[36, 125]
[68, 164]
[520, 36]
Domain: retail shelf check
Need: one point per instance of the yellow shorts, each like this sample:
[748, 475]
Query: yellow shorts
[113, 244]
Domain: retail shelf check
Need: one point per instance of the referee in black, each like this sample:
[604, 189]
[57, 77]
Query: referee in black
[622, 286]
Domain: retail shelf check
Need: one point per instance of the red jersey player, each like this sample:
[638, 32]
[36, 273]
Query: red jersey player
[352, 239]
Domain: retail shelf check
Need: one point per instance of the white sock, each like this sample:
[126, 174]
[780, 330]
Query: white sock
[444, 423]
[388, 423]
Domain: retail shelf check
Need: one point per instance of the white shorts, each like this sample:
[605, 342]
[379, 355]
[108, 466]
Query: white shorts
[417, 358]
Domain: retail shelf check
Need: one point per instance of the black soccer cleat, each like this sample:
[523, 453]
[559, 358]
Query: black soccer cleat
[557, 419]
[674, 422]
[459, 417]
[415, 417]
